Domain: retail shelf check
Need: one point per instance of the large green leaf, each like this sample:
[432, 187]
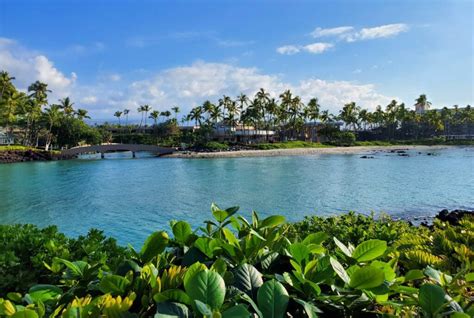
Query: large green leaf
[343, 247]
[191, 271]
[172, 295]
[27, 313]
[114, 284]
[315, 238]
[239, 311]
[339, 269]
[369, 250]
[272, 221]
[44, 293]
[172, 310]
[248, 279]
[154, 245]
[208, 287]
[431, 298]
[272, 299]
[181, 231]
[299, 252]
[367, 277]
[221, 215]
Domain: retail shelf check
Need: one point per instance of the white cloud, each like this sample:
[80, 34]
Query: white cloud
[28, 66]
[314, 48]
[186, 86]
[115, 77]
[383, 31]
[191, 85]
[320, 32]
[288, 49]
[317, 48]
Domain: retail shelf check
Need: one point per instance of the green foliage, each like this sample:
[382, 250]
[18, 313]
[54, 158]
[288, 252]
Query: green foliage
[342, 139]
[289, 145]
[343, 266]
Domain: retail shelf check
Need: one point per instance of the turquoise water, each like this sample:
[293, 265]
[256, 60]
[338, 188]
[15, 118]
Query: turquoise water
[130, 198]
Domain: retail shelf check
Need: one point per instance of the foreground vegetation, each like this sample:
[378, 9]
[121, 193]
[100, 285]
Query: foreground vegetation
[344, 266]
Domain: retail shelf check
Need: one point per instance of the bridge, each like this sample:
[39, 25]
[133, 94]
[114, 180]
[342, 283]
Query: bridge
[102, 149]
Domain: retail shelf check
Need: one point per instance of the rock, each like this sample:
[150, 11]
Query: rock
[403, 155]
[454, 216]
[367, 157]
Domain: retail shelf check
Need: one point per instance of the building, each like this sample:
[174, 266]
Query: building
[6, 139]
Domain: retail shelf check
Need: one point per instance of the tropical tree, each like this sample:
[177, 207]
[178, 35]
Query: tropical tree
[349, 115]
[154, 115]
[312, 113]
[176, 110]
[118, 114]
[53, 116]
[67, 106]
[82, 114]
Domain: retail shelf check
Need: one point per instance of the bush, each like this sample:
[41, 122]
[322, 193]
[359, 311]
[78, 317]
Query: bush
[345, 266]
[215, 146]
[342, 139]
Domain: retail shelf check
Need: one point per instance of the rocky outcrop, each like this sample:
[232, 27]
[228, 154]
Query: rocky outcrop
[12, 156]
[453, 217]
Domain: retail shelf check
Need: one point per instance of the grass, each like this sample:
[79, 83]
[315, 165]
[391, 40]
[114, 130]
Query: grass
[23, 148]
[419, 142]
[290, 145]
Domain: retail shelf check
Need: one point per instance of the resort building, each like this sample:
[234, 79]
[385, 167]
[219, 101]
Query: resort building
[6, 139]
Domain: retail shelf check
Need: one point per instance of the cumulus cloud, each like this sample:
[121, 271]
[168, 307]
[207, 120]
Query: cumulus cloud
[29, 66]
[186, 86]
[320, 32]
[317, 48]
[288, 49]
[383, 31]
[191, 85]
[314, 48]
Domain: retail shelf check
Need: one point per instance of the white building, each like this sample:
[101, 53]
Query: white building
[6, 139]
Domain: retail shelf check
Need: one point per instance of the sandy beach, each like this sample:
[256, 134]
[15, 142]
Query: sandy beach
[362, 150]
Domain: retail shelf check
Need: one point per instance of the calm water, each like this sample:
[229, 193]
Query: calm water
[130, 198]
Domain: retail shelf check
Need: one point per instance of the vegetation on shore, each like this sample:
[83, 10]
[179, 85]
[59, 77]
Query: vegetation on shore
[344, 266]
[34, 121]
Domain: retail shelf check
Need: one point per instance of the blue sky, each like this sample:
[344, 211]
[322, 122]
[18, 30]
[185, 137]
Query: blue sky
[110, 55]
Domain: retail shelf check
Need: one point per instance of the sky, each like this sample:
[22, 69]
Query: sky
[111, 55]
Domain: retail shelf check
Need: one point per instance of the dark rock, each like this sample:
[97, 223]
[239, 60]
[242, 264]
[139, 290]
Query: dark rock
[403, 154]
[367, 157]
[454, 216]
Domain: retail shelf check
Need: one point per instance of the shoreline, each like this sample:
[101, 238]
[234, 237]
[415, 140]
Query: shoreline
[362, 150]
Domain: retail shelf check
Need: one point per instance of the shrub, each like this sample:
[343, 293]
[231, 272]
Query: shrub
[342, 139]
[234, 267]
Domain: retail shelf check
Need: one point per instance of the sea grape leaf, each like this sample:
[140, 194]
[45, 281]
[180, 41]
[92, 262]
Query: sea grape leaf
[299, 252]
[171, 310]
[248, 279]
[367, 277]
[431, 298]
[44, 292]
[239, 311]
[272, 299]
[343, 247]
[181, 231]
[208, 287]
[339, 269]
[154, 245]
[369, 250]
[315, 238]
[114, 284]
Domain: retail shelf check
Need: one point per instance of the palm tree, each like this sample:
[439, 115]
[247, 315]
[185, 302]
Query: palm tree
[125, 112]
[38, 98]
[349, 114]
[166, 114]
[118, 114]
[67, 106]
[154, 115]
[53, 115]
[5, 82]
[176, 110]
[196, 115]
[312, 112]
[422, 100]
[146, 109]
[82, 113]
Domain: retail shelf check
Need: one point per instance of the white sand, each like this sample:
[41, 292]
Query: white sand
[300, 151]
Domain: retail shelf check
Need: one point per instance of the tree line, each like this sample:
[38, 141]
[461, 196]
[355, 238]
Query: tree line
[33, 120]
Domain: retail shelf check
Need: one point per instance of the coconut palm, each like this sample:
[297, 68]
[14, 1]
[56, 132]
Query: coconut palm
[176, 110]
[53, 115]
[126, 112]
[312, 113]
[67, 106]
[349, 115]
[196, 114]
[154, 115]
[118, 114]
[82, 114]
